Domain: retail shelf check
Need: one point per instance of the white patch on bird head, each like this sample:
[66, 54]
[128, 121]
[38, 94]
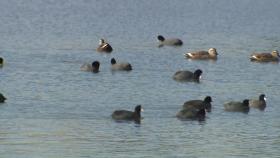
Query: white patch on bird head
[275, 53]
[264, 98]
[142, 110]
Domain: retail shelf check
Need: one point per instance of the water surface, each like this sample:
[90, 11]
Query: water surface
[56, 110]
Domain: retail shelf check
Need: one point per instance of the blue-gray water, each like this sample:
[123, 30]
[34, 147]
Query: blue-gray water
[56, 110]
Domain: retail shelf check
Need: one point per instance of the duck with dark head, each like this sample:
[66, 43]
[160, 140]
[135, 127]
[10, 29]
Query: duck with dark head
[199, 104]
[121, 66]
[2, 98]
[1, 62]
[237, 106]
[93, 67]
[185, 75]
[169, 41]
[259, 104]
[125, 115]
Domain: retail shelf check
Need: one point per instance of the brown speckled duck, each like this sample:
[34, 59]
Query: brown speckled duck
[210, 54]
[265, 57]
[104, 47]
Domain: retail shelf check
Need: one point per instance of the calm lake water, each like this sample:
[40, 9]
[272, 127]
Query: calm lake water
[56, 110]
